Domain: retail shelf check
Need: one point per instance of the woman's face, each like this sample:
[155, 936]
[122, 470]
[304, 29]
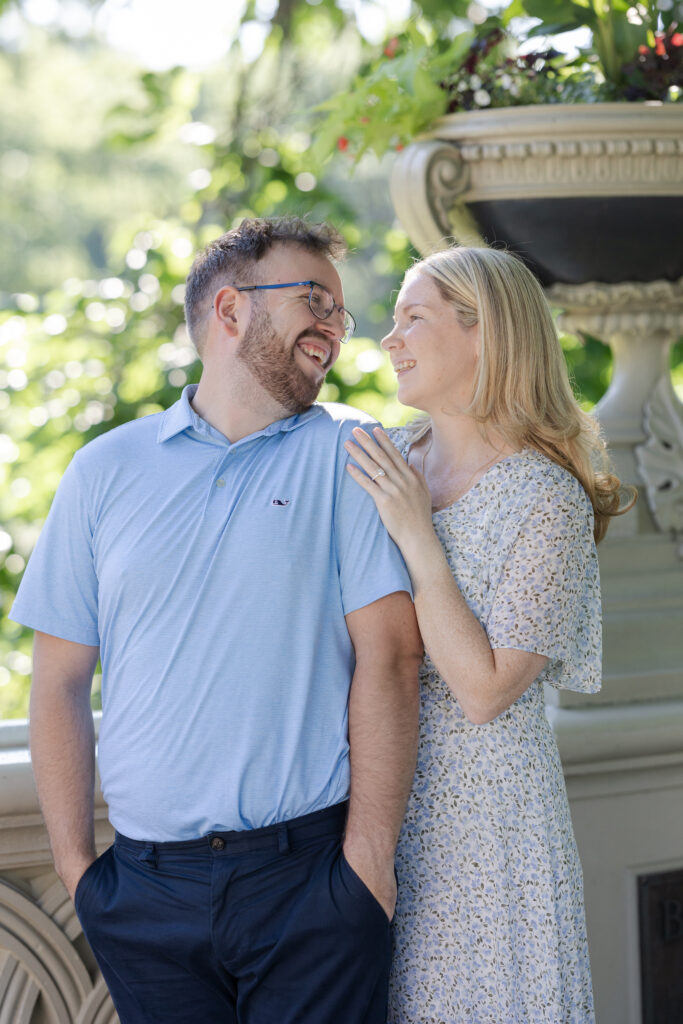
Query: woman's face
[434, 357]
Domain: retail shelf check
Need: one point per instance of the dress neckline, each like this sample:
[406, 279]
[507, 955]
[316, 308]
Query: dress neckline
[458, 501]
[482, 478]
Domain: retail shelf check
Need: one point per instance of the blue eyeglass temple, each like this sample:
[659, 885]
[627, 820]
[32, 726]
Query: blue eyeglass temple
[312, 284]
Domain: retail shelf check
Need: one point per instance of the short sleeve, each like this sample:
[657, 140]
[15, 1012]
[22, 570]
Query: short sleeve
[547, 600]
[370, 564]
[58, 594]
[399, 438]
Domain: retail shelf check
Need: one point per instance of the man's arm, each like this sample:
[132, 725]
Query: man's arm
[63, 750]
[383, 726]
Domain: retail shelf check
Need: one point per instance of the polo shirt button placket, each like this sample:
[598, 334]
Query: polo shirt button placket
[217, 844]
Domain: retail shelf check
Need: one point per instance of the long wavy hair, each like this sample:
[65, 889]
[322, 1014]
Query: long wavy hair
[522, 387]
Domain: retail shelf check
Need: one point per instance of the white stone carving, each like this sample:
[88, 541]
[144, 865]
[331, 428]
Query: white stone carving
[649, 298]
[42, 975]
[39, 962]
[48, 974]
[426, 181]
[540, 152]
[660, 458]
[639, 322]
[98, 1007]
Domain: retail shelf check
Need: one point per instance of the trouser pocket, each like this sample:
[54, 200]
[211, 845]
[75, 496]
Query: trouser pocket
[87, 883]
[357, 886]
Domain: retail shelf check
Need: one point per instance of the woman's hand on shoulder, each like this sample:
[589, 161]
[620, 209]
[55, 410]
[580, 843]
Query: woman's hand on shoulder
[399, 491]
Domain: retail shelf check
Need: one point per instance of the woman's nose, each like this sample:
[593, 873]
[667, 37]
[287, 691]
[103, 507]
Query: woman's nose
[390, 340]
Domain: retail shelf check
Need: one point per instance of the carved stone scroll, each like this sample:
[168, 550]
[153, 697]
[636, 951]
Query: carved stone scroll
[427, 179]
[660, 458]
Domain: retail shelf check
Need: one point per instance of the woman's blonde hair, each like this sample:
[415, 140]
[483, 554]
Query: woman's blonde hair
[522, 386]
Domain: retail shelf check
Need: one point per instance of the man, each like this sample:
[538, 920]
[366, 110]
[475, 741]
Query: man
[259, 661]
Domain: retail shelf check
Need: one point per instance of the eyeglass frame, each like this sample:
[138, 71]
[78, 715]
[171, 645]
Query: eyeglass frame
[348, 334]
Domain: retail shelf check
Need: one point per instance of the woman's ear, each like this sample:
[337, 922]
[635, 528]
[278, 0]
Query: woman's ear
[477, 340]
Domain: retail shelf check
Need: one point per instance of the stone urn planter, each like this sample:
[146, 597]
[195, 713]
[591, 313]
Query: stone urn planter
[589, 192]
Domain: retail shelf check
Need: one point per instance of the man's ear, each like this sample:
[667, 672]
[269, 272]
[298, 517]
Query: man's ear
[230, 310]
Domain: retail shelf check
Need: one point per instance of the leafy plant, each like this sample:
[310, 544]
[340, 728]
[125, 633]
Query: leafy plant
[393, 99]
[618, 27]
[636, 53]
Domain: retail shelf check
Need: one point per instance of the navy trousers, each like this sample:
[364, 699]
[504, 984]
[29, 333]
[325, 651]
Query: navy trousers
[270, 926]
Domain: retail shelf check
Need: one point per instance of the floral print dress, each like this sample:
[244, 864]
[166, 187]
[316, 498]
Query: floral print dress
[489, 926]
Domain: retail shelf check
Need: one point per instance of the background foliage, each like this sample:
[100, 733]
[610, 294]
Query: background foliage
[111, 176]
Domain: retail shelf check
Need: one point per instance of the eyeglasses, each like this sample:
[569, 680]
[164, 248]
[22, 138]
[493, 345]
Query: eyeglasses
[320, 302]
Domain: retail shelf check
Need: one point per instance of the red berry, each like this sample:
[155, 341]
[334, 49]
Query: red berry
[342, 143]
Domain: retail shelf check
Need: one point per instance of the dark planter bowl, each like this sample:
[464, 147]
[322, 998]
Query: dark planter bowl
[593, 238]
[590, 192]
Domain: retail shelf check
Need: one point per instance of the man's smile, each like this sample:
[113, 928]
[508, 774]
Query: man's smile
[316, 350]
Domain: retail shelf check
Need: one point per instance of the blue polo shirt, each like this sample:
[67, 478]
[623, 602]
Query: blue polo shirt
[215, 578]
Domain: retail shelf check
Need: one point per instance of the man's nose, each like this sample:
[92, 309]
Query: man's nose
[333, 325]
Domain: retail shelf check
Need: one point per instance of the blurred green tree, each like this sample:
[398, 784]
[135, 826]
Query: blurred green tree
[115, 176]
[112, 189]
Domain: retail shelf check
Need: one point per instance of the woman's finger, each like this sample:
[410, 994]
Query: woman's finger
[382, 457]
[365, 461]
[362, 478]
[389, 448]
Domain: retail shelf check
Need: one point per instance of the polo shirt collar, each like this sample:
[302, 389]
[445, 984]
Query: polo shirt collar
[182, 417]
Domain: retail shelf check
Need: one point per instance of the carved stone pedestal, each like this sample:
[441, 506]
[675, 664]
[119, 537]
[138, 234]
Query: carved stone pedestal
[624, 762]
[641, 559]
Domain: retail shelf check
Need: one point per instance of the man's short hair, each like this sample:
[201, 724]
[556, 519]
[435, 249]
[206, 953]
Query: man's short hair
[233, 259]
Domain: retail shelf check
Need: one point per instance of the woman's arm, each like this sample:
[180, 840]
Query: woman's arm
[484, 681]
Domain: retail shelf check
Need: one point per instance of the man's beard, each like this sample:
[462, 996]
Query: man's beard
[262, 351]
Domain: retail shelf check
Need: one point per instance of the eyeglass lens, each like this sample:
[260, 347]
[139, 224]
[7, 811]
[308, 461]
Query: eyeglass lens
[322, 305]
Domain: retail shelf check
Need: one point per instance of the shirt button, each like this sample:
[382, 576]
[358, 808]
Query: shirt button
[217, 843]
[220, 482]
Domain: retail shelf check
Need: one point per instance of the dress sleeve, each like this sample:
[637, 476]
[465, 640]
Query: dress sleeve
[547, 600]
[398, 437]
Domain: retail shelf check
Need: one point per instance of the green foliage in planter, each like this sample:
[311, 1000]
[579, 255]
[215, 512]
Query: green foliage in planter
[394, 98]
[618, 28]
[636, 53]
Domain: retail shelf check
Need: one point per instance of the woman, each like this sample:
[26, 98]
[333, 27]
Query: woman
[496, 503]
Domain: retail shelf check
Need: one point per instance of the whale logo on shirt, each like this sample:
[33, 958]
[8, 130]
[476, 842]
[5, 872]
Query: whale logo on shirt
[281, 501]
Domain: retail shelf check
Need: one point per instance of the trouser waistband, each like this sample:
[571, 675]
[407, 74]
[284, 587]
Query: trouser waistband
[280, 835]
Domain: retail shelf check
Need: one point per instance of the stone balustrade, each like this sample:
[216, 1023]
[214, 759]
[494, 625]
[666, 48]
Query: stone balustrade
[623, 765]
